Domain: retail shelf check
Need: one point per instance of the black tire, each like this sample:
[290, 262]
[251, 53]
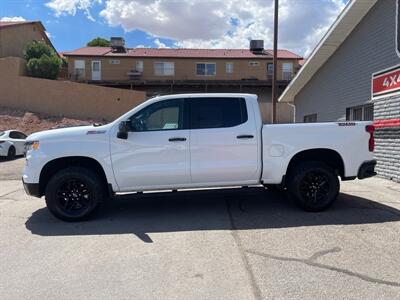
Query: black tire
[74, 193]
[11, 153]
[313, 186]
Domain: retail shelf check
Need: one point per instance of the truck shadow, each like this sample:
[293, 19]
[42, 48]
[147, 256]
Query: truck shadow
[246, 209]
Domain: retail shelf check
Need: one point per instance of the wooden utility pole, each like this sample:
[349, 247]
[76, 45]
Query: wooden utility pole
[275, 63]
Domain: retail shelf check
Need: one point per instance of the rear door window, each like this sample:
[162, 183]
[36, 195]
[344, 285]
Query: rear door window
[217, 112]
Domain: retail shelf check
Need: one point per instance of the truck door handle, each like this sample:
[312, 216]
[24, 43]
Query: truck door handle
[245, 136]
[177, 139]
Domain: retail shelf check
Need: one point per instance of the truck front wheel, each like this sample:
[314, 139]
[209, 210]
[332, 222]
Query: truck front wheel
[74, 193]
[313, 186]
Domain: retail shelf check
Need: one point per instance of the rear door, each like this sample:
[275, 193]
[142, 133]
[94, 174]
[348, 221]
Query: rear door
[223, 141]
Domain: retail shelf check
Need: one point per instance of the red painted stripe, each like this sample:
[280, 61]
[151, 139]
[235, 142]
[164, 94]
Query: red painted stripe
[387, 123]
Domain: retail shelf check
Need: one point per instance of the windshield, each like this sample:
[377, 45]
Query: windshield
[1, 133]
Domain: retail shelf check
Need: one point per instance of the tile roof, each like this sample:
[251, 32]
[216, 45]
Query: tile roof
[12, 23]
[180, 53]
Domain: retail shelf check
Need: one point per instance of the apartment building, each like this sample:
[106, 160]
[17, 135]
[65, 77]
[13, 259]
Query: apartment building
[166, 70]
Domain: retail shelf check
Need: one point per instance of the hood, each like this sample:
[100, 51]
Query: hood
[65, 133]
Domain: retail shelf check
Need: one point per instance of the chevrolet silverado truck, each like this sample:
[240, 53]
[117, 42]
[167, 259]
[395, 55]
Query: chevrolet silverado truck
[191, 141]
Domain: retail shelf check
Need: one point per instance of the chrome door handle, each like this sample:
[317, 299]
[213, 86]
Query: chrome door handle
[177, 139]
[245, 136]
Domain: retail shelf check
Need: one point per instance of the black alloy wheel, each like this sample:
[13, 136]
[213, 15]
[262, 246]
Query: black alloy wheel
[313, 185]
[73, 196]
[74, 193]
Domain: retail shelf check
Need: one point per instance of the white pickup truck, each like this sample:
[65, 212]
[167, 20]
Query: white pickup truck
[194, 141]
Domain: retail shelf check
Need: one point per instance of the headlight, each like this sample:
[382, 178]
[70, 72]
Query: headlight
[32, 145]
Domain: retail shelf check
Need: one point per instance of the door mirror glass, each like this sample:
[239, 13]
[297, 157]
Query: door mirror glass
[123, 130]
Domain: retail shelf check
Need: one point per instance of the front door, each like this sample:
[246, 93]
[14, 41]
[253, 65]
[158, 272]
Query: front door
[156, 154]
[223, 142]
[96, 70]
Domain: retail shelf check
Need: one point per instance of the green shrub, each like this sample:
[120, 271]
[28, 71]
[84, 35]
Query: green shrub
[44, 67]
[42, 61]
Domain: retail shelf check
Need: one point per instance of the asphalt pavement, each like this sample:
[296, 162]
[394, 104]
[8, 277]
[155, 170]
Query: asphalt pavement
[219, 244]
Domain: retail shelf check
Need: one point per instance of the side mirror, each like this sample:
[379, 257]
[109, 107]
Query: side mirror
[123, 130]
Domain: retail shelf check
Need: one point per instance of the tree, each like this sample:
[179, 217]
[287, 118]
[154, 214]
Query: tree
[99, 42]
[42, 61]
[36, 49]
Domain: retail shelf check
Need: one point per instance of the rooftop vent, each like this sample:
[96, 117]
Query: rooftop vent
[118, 44]
[257, 46]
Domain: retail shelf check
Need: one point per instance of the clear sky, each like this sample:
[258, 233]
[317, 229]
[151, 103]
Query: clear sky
[178, 23]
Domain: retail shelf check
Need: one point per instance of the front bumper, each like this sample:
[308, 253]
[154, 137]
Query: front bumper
[367, 169]
[32, 189]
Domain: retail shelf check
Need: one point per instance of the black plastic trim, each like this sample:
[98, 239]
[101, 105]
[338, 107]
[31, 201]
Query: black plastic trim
[349, 178]
[110, 191]
[32, 189]
[367, 169]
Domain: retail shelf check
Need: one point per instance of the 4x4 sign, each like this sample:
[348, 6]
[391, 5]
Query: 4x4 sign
[386, 82]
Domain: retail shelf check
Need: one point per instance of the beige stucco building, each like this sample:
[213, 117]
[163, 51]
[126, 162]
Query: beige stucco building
[15, 35]
[103, 65]
[166, 71]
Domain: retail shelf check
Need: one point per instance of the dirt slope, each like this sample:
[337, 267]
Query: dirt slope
[28, 122]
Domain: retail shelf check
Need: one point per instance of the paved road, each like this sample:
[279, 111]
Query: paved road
[250, 244]
[11, 169]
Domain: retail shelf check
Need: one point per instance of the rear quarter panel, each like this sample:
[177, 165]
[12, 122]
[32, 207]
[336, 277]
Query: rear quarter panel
[282, 142]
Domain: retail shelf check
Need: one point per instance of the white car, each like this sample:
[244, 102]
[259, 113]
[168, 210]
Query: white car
[194, 141]
[12, 143]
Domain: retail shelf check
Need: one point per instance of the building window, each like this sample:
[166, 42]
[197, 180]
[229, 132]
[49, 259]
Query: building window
[206, 69]
[360, 113]
[254, 63]
[114, 62]
[229, 68]
[270, 70]
[310, 118]
[164, 69]
[139, 66]
[79, 70]
[287, 71]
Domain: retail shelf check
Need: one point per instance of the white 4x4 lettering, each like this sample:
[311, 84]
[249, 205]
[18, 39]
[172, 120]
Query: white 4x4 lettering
[391, 81]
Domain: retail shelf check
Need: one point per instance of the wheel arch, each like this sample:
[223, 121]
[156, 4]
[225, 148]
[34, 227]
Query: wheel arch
[57, 164]
[328, 156]
[10, 144]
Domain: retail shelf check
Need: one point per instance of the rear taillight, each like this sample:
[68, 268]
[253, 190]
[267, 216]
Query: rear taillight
[371, 143]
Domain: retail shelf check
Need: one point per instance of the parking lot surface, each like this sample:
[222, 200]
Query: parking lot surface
[217, 244]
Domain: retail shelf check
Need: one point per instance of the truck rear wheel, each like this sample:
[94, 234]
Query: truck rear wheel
[313, 186]
[74, 193]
